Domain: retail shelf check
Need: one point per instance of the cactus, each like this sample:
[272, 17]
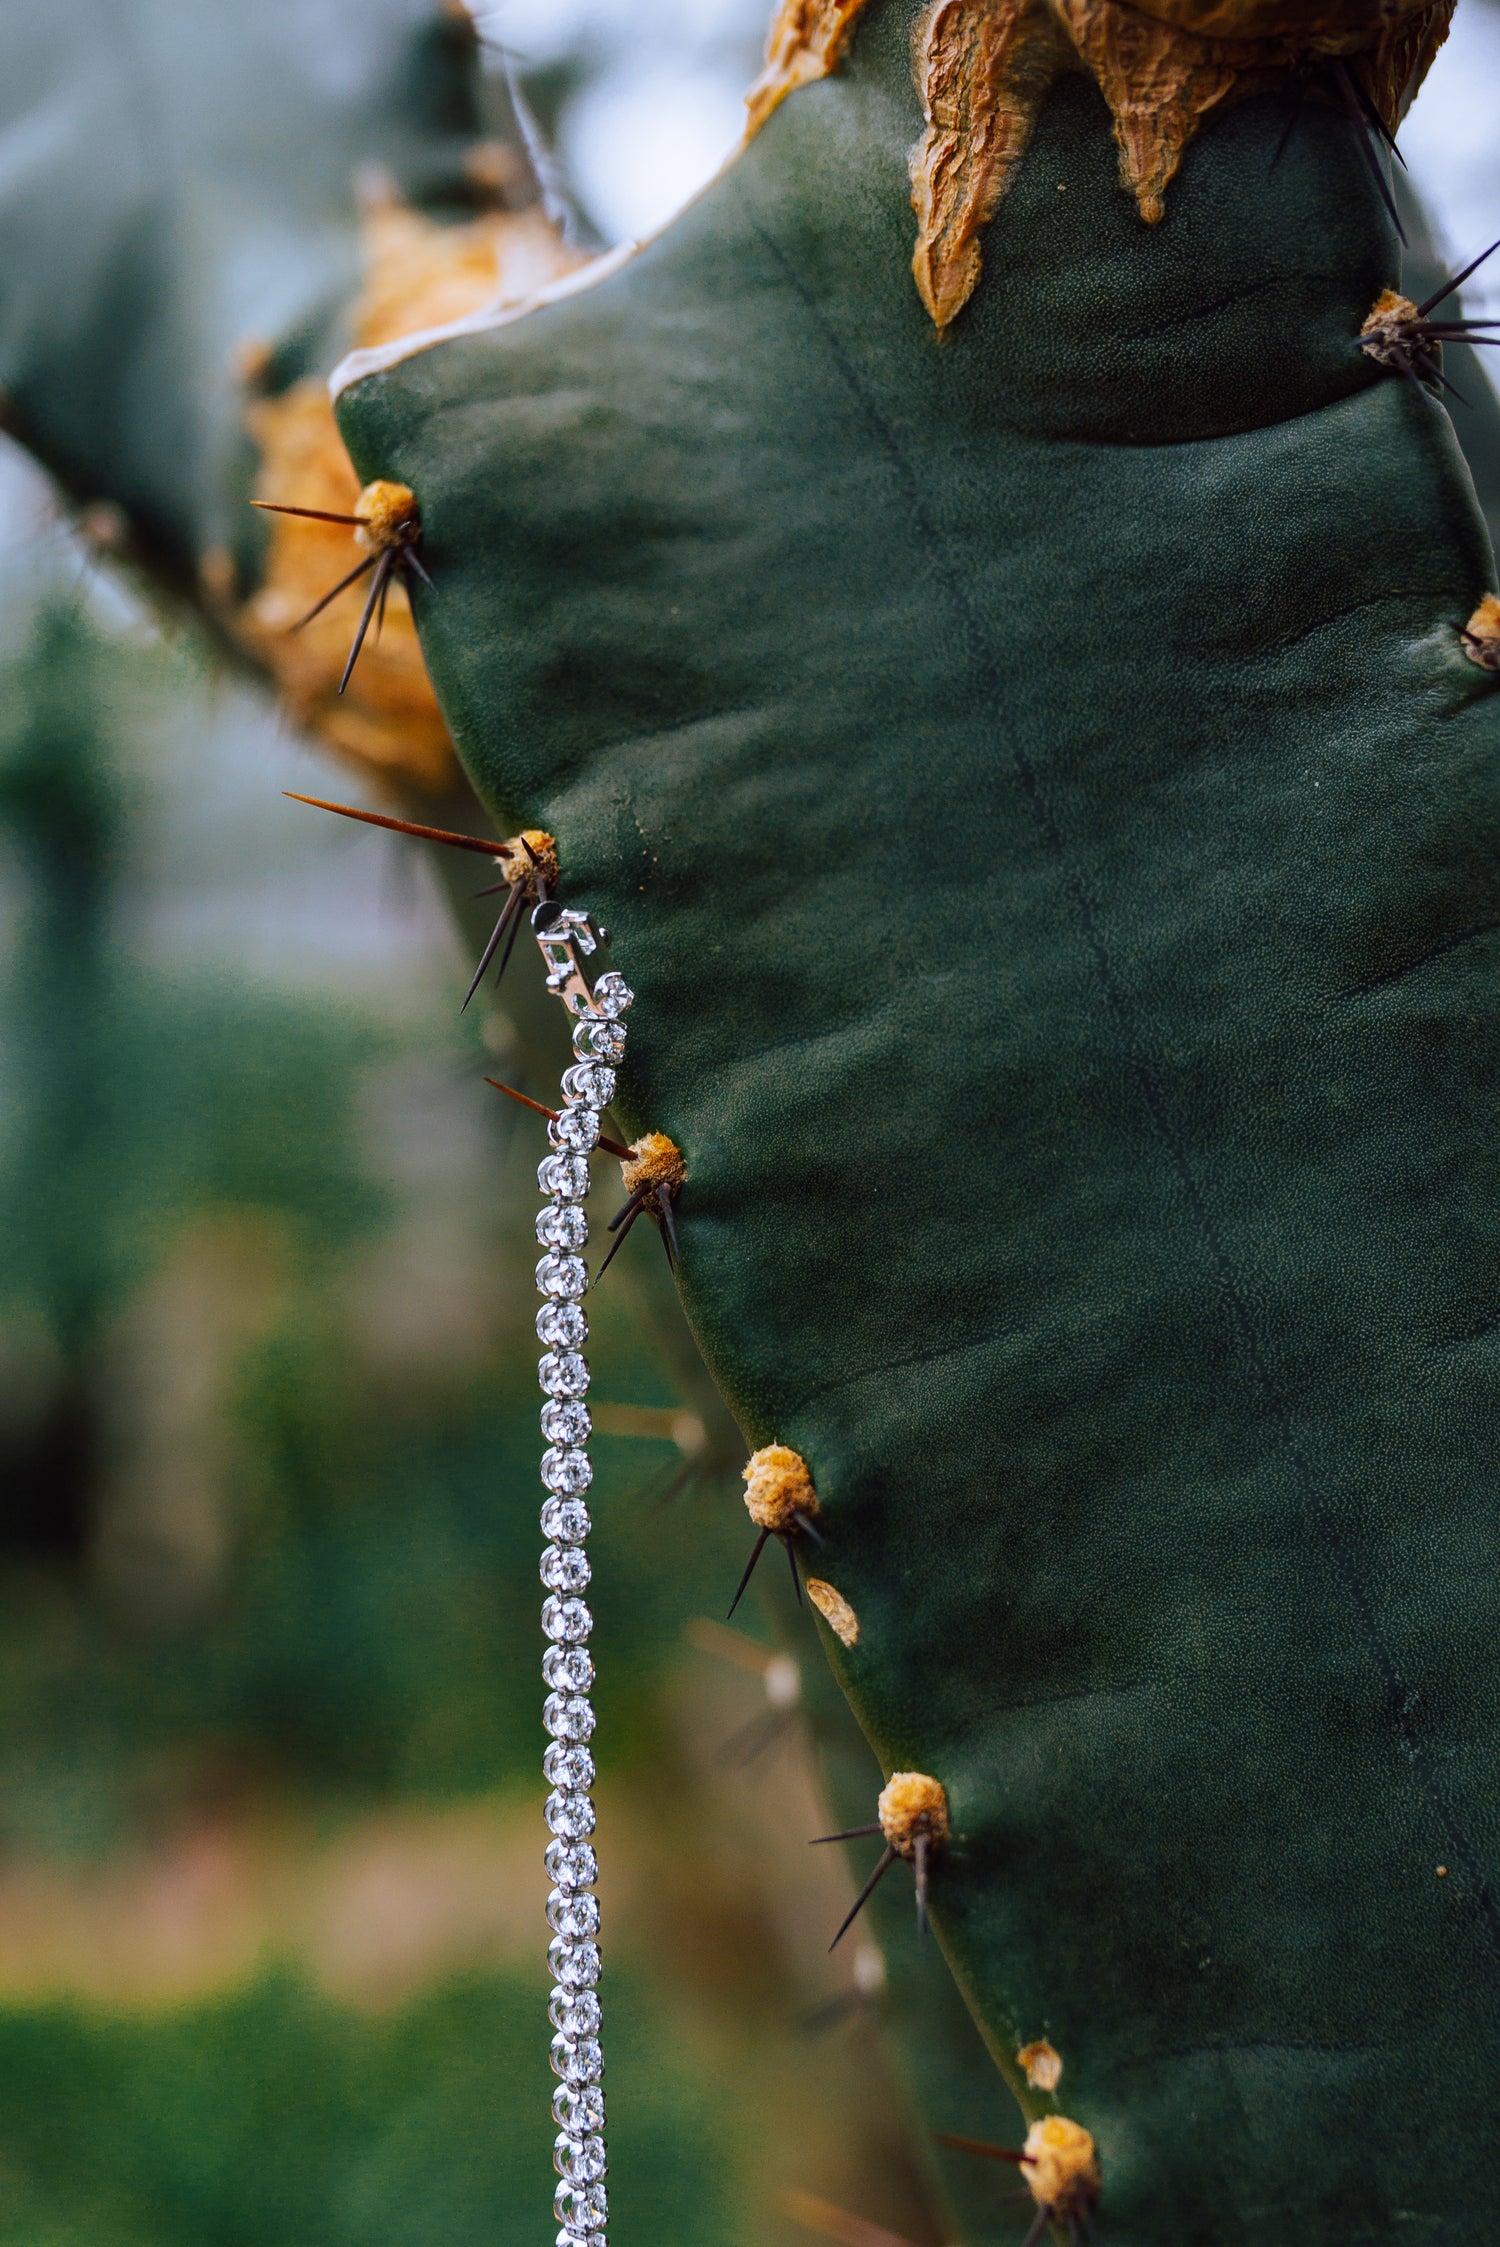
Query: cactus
[1020, 733]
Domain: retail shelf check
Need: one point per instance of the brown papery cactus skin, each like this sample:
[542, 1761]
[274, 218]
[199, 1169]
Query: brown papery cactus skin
[984, 67]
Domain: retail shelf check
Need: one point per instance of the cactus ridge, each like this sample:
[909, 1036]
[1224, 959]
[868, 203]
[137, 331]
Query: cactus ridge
[1103, 1210]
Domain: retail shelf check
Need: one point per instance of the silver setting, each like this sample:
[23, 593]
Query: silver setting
[566, 1521]
[572, 1865]
[566, 1764]
[569, 1716]
[562, 1326]
[568, 1424]
[580, 2113]
[565, 1568]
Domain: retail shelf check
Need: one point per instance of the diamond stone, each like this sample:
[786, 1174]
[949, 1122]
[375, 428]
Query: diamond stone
[612, 995]
[564, 1278]
[567, 1766]
[567, 1471]
[577, 1917]
[571, 1865]
[563, 1373]
[565, 1568]
[570, 1815]
[567, 1620]
[568, 1669]
[565, 1177]
[562, 1225]
[566, 1521]
[562, 1326]
[581, 2160]
[575, 1966]
[576, 1130]
[566, 1423]
[578, 2112]
[568, 1716]
[574, 2013]
[580, 2207]
[595, 1039]
[591, 1082]
[577, 2062]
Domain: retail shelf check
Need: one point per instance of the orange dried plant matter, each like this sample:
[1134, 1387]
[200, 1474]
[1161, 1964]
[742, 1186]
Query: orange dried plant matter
[1481, 644]
[835, 1610]
[417, 275]
[984, 68]
[654, 1163]
[805, 42]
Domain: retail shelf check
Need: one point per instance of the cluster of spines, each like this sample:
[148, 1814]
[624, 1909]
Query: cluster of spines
[1405, 338]
[1059, 2163]
[387, 525]
[1344, 89]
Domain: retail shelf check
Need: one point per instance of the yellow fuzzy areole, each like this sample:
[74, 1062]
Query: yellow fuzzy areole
[1060, 2165]
[389, 517]
[913, 1807]
[655, 1161]
[524, 868]
[778, 1489]
[1041, 2064]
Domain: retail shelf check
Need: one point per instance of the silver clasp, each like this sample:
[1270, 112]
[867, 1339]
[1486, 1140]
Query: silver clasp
[561, 941]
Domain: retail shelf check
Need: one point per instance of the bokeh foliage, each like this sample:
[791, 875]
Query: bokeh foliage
[271, 2115]
[369, 1635]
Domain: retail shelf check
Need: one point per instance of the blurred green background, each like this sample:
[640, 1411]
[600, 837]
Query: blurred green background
[271, 1932]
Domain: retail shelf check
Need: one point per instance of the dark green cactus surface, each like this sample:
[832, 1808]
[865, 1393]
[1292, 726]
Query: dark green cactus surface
[1037, 793]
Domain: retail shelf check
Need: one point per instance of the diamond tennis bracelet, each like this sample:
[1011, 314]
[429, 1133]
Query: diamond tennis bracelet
[562, 1228]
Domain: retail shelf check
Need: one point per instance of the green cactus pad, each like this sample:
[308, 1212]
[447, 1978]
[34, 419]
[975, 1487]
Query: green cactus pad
[1037, 792]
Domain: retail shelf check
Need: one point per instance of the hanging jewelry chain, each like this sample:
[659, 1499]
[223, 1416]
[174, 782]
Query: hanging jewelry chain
[581, 2201]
